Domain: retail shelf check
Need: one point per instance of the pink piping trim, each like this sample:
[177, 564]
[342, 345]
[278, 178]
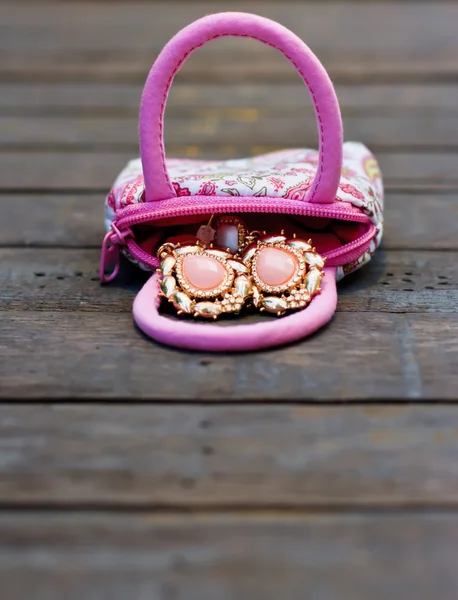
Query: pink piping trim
[209, 337]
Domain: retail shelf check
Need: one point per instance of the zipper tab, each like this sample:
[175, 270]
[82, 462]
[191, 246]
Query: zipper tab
[109, 256]
[110, 252]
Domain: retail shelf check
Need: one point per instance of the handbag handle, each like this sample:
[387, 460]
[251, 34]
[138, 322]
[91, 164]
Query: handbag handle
[173, 55]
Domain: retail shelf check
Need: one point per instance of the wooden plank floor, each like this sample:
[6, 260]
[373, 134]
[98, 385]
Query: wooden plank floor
[130, 470]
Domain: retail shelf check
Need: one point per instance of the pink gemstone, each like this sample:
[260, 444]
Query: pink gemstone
[203, 272]
[275, 266]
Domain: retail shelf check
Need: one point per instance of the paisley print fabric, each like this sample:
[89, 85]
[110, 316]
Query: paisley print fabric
[283, 174]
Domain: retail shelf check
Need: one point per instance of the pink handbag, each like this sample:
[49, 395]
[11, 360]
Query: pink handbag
[272, 233]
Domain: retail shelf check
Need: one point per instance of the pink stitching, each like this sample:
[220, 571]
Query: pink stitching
[169, 83]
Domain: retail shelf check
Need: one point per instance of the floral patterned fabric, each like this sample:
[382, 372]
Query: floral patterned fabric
[283, 174]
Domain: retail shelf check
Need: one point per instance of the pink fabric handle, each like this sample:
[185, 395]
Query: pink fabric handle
[330, 132]
[217, 338]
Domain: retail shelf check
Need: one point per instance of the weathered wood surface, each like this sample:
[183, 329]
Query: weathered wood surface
[293, 127]
[228, 456]
[67, 279]
[114, 99]
[424, 219]
[217, 557]
[96, 170]
[374, 356]
[416, 40]
[131, 470]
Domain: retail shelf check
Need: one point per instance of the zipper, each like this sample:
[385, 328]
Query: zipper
[122, 236]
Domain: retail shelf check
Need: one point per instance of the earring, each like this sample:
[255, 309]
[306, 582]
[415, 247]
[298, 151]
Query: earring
[287, 273]
[270, 272]
[203, 280]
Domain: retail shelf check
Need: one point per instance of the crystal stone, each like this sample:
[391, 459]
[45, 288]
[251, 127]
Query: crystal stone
[167, 264]
[275, 266]
[314, 260]
[207, 309]
[274, 305]
[313, 280]
[203, 272]
[168, 285]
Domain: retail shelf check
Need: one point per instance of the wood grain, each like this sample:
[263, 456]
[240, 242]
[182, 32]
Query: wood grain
[374, 356]
[219, 456]
[233, 127]
[117, 99]
[412, 221]
[67, 279]
[52, 219]
[94, 171]
[131, 470]
[71, 41]
[216, 557]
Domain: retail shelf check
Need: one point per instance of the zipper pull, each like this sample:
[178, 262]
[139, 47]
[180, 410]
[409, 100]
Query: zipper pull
[110, 254]
[205, 233]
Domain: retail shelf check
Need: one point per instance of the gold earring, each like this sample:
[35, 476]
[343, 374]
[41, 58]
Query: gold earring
[203, 281]
[287, 273]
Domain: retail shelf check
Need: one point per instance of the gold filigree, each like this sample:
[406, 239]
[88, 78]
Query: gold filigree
[228, 297]
[301, 287]
[242, 284]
